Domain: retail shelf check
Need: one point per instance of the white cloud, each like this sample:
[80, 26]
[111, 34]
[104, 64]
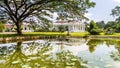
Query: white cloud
[118, 1]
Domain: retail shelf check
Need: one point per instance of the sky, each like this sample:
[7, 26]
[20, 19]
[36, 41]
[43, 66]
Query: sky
[102, 10]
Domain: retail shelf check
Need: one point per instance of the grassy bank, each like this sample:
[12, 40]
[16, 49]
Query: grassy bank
[54, 34]
[102, 34]
[5, 37]
[44, 34]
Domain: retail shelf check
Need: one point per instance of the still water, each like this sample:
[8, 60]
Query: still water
[63, 53]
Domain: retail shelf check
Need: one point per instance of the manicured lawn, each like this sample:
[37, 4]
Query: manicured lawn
[44, 34]
[48, 33]
[115, 34]
[56, 33]
[73, 34]
[79, 33]
[102, 35]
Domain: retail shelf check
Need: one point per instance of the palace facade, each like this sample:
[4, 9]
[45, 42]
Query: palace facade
[73, 26]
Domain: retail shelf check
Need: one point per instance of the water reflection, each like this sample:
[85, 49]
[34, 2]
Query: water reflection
[16, 57]
[68, 53]
[93, 43]
[41, 56]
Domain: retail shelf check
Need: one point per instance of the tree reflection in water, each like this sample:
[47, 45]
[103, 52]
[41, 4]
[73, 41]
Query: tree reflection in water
[115, 55]
[14, 59]
[116, 43]
[93, 43]
[42, 56]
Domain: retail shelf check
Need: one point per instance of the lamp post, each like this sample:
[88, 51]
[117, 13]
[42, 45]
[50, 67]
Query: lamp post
[68, 33]
[68, 30]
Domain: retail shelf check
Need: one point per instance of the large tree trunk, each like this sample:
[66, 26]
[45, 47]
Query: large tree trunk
[19, 29]
[19, 32]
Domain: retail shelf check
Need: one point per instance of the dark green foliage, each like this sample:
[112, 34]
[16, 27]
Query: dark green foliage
[116, 13]
[100, 24]
[93, 43]
[111, 24]
[92, 25]
[8, 29]
[54, 30]
[93, 29]
[42, 29]
[109, 31]
[61, 28]
[117, 28]
[117, 20]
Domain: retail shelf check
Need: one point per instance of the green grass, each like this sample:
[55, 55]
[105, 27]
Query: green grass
[56, 33]
[73, 34]
[102, 34]
[7, 35]
[79, 34]
[116, 34]
[46, 34]
[43, 34]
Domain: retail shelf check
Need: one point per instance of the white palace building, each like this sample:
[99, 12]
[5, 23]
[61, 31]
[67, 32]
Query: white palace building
[73, 26]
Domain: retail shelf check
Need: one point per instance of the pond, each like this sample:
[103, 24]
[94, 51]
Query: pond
[61, 53]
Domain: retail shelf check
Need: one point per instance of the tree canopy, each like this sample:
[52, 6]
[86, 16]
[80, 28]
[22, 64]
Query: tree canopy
[116, 13]
[93, 28]
[100, 24]
[23, 10]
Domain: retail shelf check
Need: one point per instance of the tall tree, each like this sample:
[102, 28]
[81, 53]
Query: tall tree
[93, 29]
[92, 25]
[111, 24]
[116, 13]
[100, 24]
[23, 10]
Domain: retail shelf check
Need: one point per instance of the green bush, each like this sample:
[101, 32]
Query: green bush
[95, 31]
[7, 30]
[109, 31]
[54, 30]
[61, 28]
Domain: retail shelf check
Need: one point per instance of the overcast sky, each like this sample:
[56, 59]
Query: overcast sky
[102, 10]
